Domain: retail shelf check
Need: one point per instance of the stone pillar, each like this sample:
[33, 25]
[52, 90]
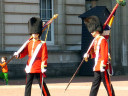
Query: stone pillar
[124, 31]
[116, 41]
[1, 25]
[59, 8]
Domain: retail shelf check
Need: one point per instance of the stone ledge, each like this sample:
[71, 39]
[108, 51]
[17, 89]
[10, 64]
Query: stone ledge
[54, 70]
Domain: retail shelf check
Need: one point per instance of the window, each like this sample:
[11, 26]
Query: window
[46, 12]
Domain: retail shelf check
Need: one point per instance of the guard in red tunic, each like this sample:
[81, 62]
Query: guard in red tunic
[37, 57]
[99, 51]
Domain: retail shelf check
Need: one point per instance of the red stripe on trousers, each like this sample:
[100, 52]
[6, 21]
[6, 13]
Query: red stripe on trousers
[107, 83]
[43, 88]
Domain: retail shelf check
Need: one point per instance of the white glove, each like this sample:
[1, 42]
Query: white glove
[16, 54]
[27, 69]
[86, 55]
[102, 69]
[43, 70]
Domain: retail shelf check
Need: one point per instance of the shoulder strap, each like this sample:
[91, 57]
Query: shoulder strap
[97, 49]
[23, 46]
[101, 37]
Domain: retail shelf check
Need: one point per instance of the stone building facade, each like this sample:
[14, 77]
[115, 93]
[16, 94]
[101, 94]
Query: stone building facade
[64, 41]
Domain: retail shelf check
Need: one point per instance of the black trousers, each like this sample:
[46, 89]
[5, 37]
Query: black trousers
[29, 80]
[98, 77]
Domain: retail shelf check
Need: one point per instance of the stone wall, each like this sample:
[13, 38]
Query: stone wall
[67, 29]
[16, 14]
[1, 24]
[73, 24]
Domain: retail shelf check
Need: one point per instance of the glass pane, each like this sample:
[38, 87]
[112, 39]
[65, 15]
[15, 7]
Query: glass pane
[49, 14]
[43, 14]
[43, 4]
[49, 6]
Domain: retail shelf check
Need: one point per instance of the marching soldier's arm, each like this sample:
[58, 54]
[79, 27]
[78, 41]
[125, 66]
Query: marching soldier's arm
[23, 53]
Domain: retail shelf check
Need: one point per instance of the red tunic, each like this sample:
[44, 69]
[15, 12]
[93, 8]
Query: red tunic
[100, 48]
[41, 57]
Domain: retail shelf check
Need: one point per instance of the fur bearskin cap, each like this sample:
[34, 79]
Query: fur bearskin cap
[93, 24]
[35, 26]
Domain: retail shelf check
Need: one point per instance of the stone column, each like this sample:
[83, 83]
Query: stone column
[116, 41]
[124, 31]
[1, 25]
[59, 27]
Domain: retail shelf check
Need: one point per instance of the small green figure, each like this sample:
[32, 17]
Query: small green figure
[4, 73]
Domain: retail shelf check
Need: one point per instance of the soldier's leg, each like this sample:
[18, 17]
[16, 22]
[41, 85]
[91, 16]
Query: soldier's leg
[29, 80]
[106, 82]
[95, 84]
[45, 90]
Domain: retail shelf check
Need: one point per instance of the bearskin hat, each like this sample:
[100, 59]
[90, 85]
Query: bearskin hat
[35, 26]
[93, 24]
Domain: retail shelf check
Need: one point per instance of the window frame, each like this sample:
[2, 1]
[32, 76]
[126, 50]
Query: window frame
[51, 42]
